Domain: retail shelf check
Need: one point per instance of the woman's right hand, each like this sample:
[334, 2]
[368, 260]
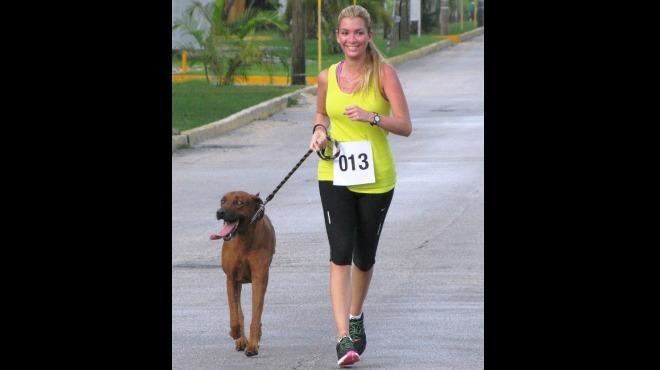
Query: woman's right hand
[319, 139]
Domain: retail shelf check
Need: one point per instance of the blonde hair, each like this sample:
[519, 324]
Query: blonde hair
[371, 73]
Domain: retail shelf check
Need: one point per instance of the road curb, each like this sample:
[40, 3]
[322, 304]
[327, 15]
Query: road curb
[266, 109]
[399, 59]
[415, 54]
[471, 34]
[262, 110]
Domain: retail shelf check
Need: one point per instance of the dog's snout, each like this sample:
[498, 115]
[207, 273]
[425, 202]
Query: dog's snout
[220, 214]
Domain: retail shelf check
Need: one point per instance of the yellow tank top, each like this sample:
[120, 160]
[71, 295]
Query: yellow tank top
[343, 129]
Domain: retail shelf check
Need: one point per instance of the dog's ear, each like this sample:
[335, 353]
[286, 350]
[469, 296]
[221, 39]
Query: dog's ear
[257, 200]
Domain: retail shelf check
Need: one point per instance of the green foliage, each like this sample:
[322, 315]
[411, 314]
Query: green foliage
[274, 40]
[329, 13]
[455, 28]
[225, 48]
[430, 15]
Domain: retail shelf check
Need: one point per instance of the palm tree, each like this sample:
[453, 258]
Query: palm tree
[329, 13]
[224, 47]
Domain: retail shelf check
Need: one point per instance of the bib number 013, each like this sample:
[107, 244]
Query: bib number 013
[355, 164]
[344, 162]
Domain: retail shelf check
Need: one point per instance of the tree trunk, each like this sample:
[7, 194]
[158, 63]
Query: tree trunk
[298, 43]
[396, 21]
[444, 17]
[404, 31]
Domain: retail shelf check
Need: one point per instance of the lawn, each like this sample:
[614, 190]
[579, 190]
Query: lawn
[196, 103]
[311, 67]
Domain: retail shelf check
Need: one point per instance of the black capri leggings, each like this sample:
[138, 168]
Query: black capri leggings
[353, 222]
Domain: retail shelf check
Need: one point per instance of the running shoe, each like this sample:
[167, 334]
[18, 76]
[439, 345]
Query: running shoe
[356, 331]
[346, 354]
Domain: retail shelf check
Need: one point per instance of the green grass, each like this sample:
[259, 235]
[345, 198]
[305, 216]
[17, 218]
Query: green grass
[196, 103]
[455, 28]
[404, 47]
[311, 67]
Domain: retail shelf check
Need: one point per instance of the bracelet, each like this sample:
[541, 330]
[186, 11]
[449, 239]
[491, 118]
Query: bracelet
[318, 124]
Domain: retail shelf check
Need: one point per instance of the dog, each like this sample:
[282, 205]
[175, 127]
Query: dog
[247, 252]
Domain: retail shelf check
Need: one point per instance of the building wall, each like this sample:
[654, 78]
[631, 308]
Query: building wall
[178, 6]
[178, 39]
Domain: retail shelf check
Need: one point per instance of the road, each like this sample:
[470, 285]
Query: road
[425, 308]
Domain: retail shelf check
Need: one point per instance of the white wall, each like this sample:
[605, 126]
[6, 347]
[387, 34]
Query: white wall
[178, 6]
[416, 14]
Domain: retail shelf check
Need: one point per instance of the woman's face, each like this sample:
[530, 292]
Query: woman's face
[353, 37]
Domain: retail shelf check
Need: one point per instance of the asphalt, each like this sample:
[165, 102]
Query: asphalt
[425, 308]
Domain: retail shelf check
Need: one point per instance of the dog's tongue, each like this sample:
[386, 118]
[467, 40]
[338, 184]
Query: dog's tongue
[226, 229]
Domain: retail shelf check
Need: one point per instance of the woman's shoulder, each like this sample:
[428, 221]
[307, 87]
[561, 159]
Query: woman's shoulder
[323, 76]
[387, 70]
[388, 79]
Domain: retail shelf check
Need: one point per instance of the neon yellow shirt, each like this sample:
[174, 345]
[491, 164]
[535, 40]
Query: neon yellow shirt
[343, 129]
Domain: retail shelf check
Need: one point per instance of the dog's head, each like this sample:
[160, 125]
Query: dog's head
[237, 209]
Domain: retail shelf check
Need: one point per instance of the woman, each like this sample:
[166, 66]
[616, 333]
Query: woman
[359, 102]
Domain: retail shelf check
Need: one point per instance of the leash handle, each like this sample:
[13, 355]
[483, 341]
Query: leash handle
[270, 196]
[321, 154]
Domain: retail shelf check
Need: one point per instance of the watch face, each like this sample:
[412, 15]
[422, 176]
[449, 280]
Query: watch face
[377, 119]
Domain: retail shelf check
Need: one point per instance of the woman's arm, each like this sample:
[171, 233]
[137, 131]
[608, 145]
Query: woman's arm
[399, 122]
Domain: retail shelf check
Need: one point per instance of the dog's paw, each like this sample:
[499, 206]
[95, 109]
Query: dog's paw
[241, 343]
[252, 350]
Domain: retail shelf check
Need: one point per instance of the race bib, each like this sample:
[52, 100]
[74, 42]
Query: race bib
[355, 164]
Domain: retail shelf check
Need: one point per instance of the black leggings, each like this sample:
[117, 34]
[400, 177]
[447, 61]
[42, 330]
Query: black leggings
[353, 222]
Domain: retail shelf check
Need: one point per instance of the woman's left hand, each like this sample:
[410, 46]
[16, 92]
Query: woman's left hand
[357, 114]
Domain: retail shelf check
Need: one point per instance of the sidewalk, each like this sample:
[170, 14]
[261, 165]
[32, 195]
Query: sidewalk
[264, 110]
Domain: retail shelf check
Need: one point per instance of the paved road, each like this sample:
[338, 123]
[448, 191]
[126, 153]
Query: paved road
[425, 307]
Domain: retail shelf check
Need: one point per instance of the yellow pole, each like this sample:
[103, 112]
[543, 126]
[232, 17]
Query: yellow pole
[184, 62]
[354, 1]
[318, 34]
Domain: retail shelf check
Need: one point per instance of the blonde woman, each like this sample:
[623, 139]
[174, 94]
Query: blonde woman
[360, 101]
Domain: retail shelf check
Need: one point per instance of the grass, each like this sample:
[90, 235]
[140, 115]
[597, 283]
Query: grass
[455, 28]
[311, 66]
[196, 103]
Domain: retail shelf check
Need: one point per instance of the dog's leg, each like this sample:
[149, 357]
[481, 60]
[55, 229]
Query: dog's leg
[237, 328]
[259, 285]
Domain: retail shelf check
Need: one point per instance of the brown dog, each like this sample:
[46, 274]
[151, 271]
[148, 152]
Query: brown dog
[247, 251]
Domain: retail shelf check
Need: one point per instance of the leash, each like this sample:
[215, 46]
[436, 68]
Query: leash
[260, 211]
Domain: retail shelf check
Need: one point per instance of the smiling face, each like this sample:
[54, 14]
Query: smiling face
[353, 37]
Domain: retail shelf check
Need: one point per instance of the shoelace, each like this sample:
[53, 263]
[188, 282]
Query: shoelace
[345, 344]
[356, 326]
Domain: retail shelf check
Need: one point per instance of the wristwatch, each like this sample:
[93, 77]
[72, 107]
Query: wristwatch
[376, 120]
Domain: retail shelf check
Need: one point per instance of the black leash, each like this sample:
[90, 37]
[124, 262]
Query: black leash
[260, 211]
